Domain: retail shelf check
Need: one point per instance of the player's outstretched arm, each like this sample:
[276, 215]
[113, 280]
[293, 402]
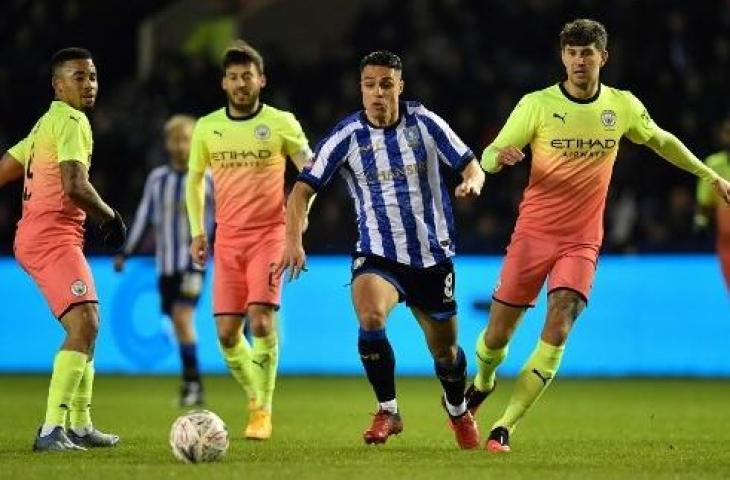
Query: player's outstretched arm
[10, 169]
[294, 258]
[675, 152]
[472, 180]
[195, 202]
[76, 185]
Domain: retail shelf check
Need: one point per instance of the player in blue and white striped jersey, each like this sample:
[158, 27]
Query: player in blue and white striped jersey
[180, 281]
[390, 154]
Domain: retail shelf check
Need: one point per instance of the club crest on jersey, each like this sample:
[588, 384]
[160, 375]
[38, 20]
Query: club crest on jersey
[79, 288]
[357, 263]
[608, 118]
[262, 132]
[412, 135]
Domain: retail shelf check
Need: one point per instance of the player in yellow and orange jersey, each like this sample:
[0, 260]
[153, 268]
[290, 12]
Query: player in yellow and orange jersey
[245, 145]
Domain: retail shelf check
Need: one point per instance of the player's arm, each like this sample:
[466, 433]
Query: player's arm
[195, 195]
[706, 202]
[517, 132]
[297, 148]
[670, 148]
[11, 169]
[294, 258]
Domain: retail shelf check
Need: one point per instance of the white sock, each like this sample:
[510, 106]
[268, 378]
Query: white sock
[81, 431]
[455, 411]
[389, 406]
[47, 429]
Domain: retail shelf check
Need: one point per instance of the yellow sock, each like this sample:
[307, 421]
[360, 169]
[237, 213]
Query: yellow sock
[487, 362]
[80, 412]
[68, 368]
[537, 373]
[238, 359]
[265, 362]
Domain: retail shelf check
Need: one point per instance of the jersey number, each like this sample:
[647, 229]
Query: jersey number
[28, 175]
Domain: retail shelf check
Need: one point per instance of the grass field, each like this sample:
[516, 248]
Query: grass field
[582, 429]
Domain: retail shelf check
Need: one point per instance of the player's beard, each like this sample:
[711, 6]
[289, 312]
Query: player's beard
[244, 106]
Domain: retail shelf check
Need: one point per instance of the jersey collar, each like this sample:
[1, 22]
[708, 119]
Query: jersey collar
[580, 100]
[401, 109]
[245, 117]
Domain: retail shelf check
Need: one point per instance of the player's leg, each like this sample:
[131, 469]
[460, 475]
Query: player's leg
[723, 252]
[524, 270]
[182, 315]
[229, 306]
[182, 299]
[374, 295]
[450, 367]
[569, 286]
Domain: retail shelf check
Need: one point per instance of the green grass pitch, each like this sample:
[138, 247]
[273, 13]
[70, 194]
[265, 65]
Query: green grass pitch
[582, 429]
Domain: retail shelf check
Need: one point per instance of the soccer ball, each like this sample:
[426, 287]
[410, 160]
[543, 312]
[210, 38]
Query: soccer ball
[199, 436]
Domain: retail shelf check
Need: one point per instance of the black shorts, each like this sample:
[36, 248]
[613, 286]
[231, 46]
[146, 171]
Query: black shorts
[428, 289]
[180, 287]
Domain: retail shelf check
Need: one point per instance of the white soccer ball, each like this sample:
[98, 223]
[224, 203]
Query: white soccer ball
[199, 436]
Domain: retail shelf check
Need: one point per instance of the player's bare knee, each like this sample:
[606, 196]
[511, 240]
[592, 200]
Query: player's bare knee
[262, 319]
[371, 318]
[445, 353]
[228, 337]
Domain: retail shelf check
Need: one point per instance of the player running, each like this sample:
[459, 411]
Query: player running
[389, 154]
[180, 280]
[55, 158]
[573, 129]
[707, 201]
[245, 144]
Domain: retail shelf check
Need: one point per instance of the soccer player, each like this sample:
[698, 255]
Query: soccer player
[389, 154]
[707, 201]
[55, 158]
[245, 144]
[573, 129]
[180, 280]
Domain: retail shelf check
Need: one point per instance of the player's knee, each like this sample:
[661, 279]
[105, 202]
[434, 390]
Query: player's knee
[228, 337]
[565, 305]
[262, 319]
[445, 354]
[371, 318]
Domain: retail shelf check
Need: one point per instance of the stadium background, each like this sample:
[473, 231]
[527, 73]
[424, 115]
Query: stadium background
[658, 287]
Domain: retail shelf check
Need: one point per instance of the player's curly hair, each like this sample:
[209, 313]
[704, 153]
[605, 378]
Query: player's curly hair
[583, 32]
[382, 58]
[242, 53]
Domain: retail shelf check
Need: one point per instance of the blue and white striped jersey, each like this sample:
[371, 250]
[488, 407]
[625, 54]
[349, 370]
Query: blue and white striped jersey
[401, 201]
[163, 206]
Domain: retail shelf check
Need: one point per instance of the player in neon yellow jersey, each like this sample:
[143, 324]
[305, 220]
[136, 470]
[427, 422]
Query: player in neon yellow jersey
[573, 129]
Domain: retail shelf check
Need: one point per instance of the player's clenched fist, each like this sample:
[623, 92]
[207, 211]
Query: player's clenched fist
[293, 259]
[509, 156]
[199, 249]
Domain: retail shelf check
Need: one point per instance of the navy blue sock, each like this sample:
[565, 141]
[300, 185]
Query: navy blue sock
[378, 359]
[189, 358]
[453, 377]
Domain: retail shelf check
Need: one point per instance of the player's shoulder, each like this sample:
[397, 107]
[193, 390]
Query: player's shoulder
[620, 95]
[61, 114]
[212, 118]
[277, 116]
[348, 124]
[158, 172]
[717, 159]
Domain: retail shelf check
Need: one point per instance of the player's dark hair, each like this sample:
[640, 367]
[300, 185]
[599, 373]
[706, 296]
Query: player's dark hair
[241, 53]
[382, 58]
[66, 54]
[582, 32]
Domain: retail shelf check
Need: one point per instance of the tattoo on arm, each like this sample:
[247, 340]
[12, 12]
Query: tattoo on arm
[75, 179]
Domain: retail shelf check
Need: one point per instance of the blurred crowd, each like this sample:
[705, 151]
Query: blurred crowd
[468, 60]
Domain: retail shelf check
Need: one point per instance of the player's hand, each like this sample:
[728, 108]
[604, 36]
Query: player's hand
[199, 250]
[722, 188]
[293, 259]
[114, 231]
[509, 156]
[473, 181]
[305, 223]
[118, 263]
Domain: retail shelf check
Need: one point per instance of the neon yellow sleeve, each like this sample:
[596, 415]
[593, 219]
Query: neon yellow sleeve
[641, 127]
[21, 150]
[706, 197]
[73, 140]
[675, 152]
[195, 201]
[517, 132]
[296, 145]
[199, 156]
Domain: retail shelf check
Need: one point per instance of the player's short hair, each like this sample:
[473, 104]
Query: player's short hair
[583, 32]
[241, 53]
[66, 54]
[177, 121]
[382, 58]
